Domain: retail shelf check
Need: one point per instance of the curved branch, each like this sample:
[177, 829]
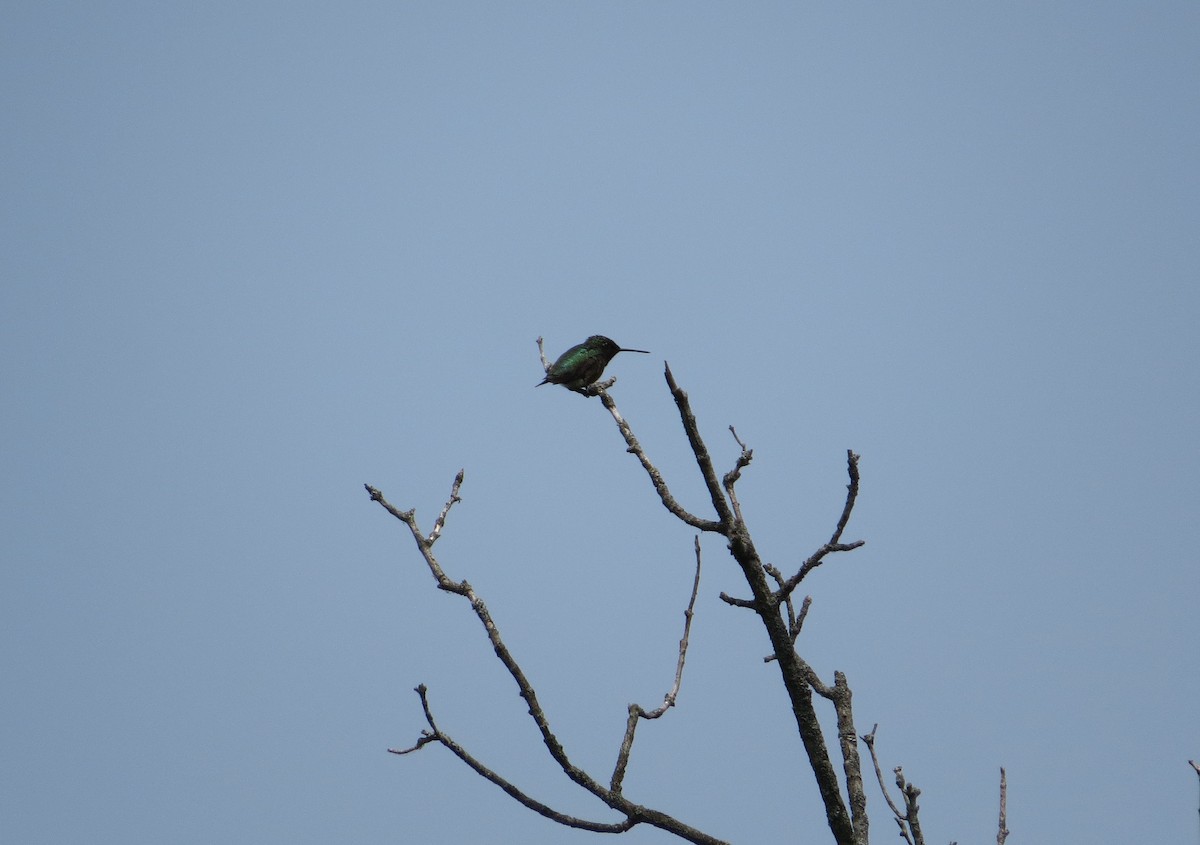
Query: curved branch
[634, 813]
[527, 692]
[834, 544]
[660, 486]
[435, 734]
[464, 589]
[636, 712]
[910, 827]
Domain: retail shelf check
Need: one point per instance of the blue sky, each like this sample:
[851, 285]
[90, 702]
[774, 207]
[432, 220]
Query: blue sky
[256, 255]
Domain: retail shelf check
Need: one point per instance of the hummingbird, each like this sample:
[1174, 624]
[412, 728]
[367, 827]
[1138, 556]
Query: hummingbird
[584, 363]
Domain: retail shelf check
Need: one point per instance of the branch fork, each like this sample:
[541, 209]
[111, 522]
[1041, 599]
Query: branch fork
[611, 795]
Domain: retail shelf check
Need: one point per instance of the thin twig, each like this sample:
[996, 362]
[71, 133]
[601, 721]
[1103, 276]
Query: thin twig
[869, 740]
[834, 544]
[731, 477]
[425, 544]
[425, 738]
[440, 523]
[851, 495]
[527, 692]
[636, 711]
[801, 616]
[660, 486]
[634, 813]
[435, 734]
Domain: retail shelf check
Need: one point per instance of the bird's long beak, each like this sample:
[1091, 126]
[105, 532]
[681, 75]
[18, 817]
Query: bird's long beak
[643, 351]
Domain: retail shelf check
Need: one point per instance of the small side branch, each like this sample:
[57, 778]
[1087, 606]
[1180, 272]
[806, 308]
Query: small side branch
[835, 543]
[407, 516]
[634, 813]
[636, 712]
[660, 486]
[851, 495]
[440, 522]
[700, 451]
[731, 477]
[910, 793]
[434, 734]
[736, 602]
[465, 590]
[910, 828]
[795, 620]
[425, 544]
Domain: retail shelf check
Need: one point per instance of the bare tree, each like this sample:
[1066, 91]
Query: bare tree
[771, 599]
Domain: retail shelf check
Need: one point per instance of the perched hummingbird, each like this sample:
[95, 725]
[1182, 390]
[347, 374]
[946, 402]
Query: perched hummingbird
[584, 363]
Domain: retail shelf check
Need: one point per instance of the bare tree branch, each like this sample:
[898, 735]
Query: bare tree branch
[901, 818]
[851, 495]
[834, 544]
[435, 734]
[636, 712]
[800, 617]
[814, 680]
[1002, 832]
[660, 486]
[795, 621]
[440, 522]
[724, 515]
[736, 602]
[911, 809]
[766, 604]
[734, 474]
[425, 544]
[634, 813]
[527, 692]
[851, 764]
